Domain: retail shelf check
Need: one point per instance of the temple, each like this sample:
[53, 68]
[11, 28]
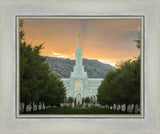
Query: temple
[79, 86]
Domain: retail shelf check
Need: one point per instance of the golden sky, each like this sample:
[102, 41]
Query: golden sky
[109, 41]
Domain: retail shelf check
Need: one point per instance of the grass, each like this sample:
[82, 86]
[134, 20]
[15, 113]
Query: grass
[77, 111]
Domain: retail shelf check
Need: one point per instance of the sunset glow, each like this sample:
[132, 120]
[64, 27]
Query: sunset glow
[108, 41]
[58, 55]
[107, 62]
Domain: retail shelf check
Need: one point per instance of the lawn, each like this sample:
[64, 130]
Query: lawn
[77, 111]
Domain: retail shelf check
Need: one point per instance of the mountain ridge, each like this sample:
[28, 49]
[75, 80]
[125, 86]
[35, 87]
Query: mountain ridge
[64, 67]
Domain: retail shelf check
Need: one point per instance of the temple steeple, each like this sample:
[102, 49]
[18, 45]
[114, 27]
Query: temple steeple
[79, 40]
[78, 53]
[78, 68]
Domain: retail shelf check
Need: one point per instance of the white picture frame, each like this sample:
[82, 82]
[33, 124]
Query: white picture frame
[150, 123]
[77, 17]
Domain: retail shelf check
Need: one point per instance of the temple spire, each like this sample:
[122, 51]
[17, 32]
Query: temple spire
[79, 40]
[78, 68]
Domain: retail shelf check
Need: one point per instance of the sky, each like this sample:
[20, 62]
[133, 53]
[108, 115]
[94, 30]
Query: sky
[109, 41]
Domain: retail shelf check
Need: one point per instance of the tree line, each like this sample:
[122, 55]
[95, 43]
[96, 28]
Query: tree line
[122, 86]
[37, 82]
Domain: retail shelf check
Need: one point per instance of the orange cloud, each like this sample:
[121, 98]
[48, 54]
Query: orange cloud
[109, 41]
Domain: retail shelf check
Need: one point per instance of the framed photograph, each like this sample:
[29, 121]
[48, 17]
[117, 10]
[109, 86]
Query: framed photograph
[87, 77]
[79, 67]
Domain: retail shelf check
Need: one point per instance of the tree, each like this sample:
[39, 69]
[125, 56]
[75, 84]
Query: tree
[87, 100]
[37, 83]
[136, 83]
[123, 85]
[61, 94]
[70, 99]
[55, 92]
[25, 94]
[82, 100]
[107, 90]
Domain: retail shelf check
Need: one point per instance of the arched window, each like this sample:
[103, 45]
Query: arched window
[78, 86]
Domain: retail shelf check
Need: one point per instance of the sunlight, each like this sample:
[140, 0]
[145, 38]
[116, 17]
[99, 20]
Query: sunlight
[62, 56]
[106, 62]
[55, 53]
[58, 55]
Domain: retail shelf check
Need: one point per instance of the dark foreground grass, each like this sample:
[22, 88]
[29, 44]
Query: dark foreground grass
[77, 111]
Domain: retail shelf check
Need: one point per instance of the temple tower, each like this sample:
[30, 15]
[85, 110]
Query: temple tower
[78, 68]
[78, 78]
[79, 86]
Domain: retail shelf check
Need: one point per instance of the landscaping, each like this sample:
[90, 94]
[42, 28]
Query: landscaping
[77, 111]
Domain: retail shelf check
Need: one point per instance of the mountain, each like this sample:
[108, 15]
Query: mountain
[64, 67]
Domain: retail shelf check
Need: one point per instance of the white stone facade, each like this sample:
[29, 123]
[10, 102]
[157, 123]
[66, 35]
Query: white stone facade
[79, 86]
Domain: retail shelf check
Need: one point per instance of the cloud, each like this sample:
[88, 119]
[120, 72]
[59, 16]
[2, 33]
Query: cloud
[59, 55]
[56, 54]
[100, 39]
